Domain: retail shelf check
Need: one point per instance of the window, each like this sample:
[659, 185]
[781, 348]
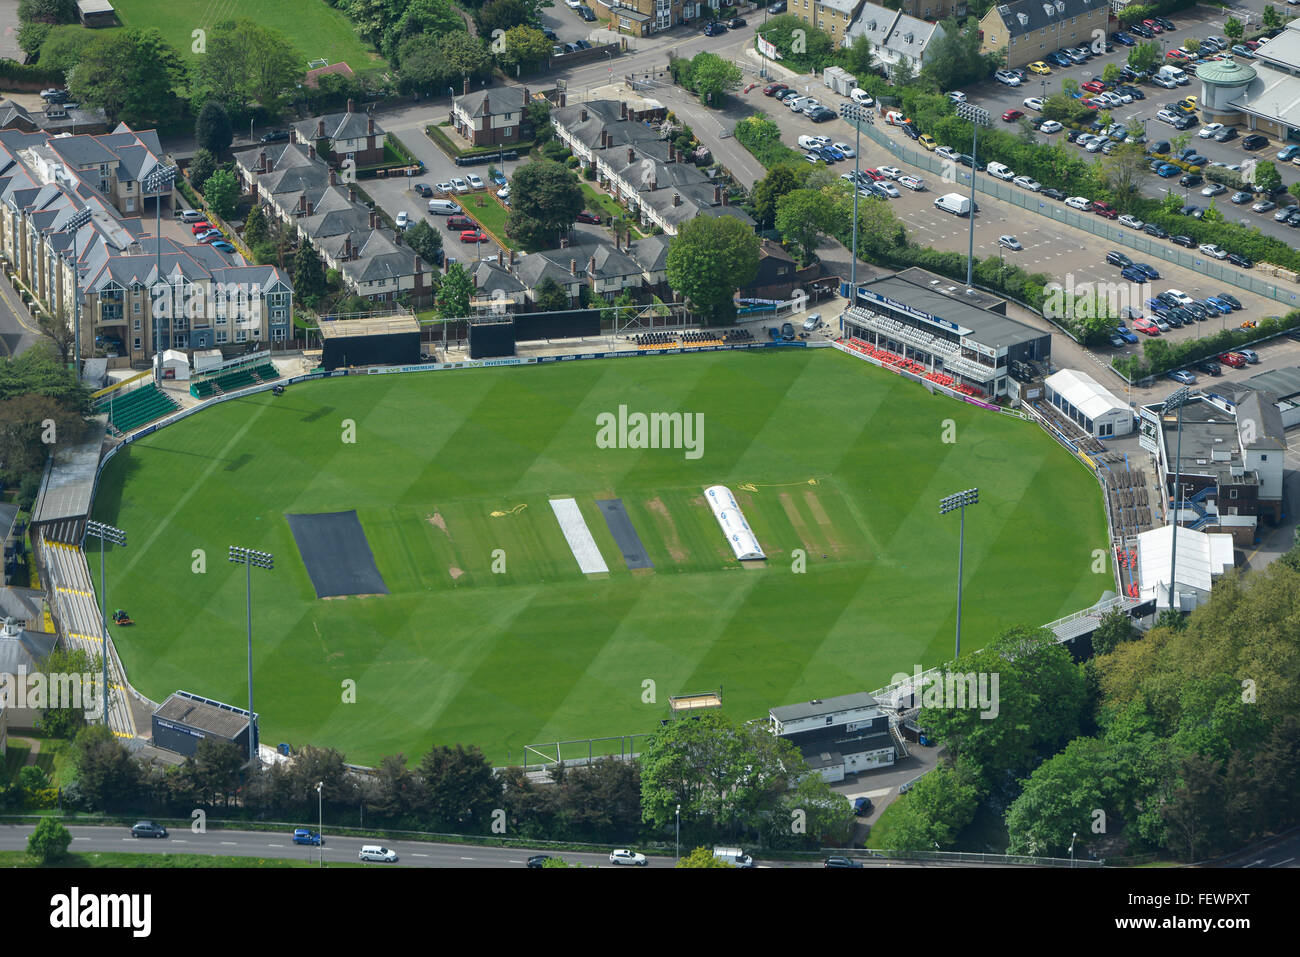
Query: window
[277, 335]
[221, 336]
[1232, 493]
[135, 326]
[135, 309]
[1263, 458]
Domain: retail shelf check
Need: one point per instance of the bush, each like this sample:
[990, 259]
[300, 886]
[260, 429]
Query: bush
[762, 137]
[49, 841]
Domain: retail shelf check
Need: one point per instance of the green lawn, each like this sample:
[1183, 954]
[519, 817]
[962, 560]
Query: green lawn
[606, 205]
[314, 27]
[55, 756]
[488, 211]
[842, 460]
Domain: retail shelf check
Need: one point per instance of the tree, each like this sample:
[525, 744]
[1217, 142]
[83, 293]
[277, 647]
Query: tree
[1039, 702]
[806, 217]
[48, 11]
[49, 842]
[106, 775]
[461, 788]
[255, 230]
[63, 47]
[1195, 814]
[131, 75]
[545, 200]
[1266, 175]
[1125, 170]
[59, 329]
[247, 63]
[1233, 29]
[551, 296]
[946, 800]
[860, 58]
[216, 768]
[702, 857]
[422, 67]
[430, 17]
[712, 76]
[709, 260]
[202, 166]
[1115, 629]
[466, 55]
[1145, 56]
[1110, 74]
[212, 130]
[65, 721]
[308, 274]
[455, 292]
[24, 431]
[727, 776]
[222, 192]
[502, 15]
[1272, 19]
[524, 46]
[880, 233]
[953, 58]
[426, 242]
[779, 181]
[32, 36]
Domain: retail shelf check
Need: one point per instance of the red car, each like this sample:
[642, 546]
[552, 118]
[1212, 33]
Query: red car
[201, 227]
[875, 174]
[591, 218]
[1091, 104]
[460, 222]
[1093, 86]
[1234, 360]
[1012, 115]
[1146, 327]
[473, 236]
[1105, 210]
[773, 88]
[1153, 26]
[1177, 55]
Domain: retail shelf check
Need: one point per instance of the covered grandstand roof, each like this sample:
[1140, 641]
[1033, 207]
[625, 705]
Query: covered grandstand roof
[988, 327]
[1084, 393]
[1202, 557]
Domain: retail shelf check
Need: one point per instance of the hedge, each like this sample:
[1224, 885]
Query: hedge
[1160, 356]
[447, 146]
[15, 72]
[762, 137]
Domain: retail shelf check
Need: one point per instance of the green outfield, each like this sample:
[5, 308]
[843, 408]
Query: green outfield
[450, 474]
[315, 28]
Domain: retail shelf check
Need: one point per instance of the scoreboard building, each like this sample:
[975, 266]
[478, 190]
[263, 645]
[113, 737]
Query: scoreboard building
[914, 315]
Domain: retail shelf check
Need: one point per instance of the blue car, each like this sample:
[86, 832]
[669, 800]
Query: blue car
[1125, 333]
[1154, 303]
[835, 152]
[1123, 39]
[1134, 274]
[1148, 269]
[499, 178]
[1222, 305]
[304, 835]
[1057, 58]
[1288, 153]
[1168, 170]
[828, 154]
[223, 246]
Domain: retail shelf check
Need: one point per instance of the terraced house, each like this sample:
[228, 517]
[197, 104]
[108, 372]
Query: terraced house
[296, 186]
[1030, 29]
[75, 215]
[344, 136]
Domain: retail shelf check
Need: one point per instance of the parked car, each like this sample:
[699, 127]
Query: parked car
[1039, 68]
[1027, 182]
[1186, 242]
[1210, 367]
[589, 218]
[1117, 258]
[1210, 249]
[1007, 78]
[1012, 115]
[1132, 222]
[1254, 142]
[1152, 229]
[274, 136]
[423, 190]
[459, 185]
[735, 23]
[1239, 260]
[403, 220]
[473, 236]
[587, 13]
[222, 246]
[1183, 376]
[1229, 298]
[1009, 242]
[914, 183]
[1080, 203]
[1233, 359]
[1248, 355]
[1033, 103]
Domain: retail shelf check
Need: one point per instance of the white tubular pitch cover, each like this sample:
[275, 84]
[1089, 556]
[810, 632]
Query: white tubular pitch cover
[740, 536]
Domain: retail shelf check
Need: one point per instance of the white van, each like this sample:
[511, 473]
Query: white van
[954, 203]
[373, 852]
[895, 118]
[443, 207]
[861, 97]
[1174, 73]
[733, 856]
[1000, 172]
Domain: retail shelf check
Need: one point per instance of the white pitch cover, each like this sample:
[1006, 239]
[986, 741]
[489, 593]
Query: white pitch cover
[740, 536]
[576, 533]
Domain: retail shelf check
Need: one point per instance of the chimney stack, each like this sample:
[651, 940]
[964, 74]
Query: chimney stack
[583, 114]
[726, 200]
[573, 267]
[631, 155]
[370, 126]
[677, 199]
[563, 99]
[622, 110]
[419, 266]
[351, 105]
[262, 163]
[347, 247]
[512, 259]
[334, 179]
[310, 208]
[672, 153]
[352, 194]
[591, 267]
[397, 237]
[302, 203]
[320, 129]
[717, 194]
[486, 112]
[374, 219]
[654, 181]
[500, 257]
[311, 151]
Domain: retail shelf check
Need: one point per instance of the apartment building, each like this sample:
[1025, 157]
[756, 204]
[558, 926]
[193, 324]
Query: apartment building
[832, 16]
[896, 37]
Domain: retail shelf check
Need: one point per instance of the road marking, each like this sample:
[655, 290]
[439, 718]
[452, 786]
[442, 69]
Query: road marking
[230, 843]
[467, 858]
[1280, 863]
[426, 855]
[275, 845]
[81, 839]
[514, 862]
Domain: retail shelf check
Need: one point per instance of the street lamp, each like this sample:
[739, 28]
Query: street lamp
[679, 832]
[977, 116]
[250, 558]
[78, 219]
[949, 503]
[155, 181]
[856, 115]
[1176, 402]
[1074, 835]
[117, 537]
[320, 821]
